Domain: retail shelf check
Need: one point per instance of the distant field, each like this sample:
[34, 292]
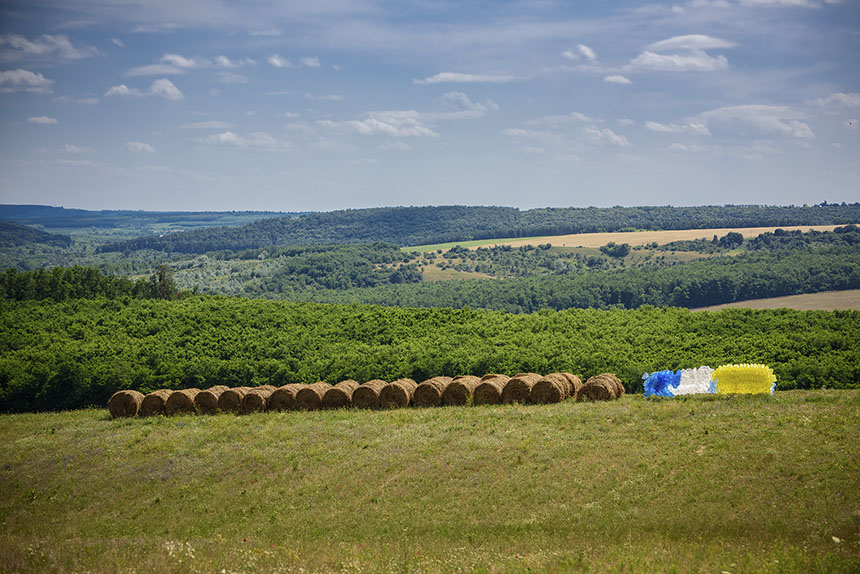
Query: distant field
[824, 301]
[631, 237]
[701, 484]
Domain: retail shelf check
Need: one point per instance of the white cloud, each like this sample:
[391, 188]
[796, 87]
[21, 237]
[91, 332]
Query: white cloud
[279, 62]
[457, 78]
[266, 33]
[232, 139]
[69, 100]
[693, 61]
[231, 78]
[582, 51]
[165, 88]
[604, 136]
[460, 106]
[185, 63]
[225, 62]
[208, 125]
[757, 3]
[782, 120]
[154, 70]
[117, 42]
[530, 134]
[122, 90]
[837, 145]
[69, 148]
[401, 123]
[162, 28]
[625, 122]
[558, 120]
[44, 120]
[699, 128]
[139, 147]
[24, 81]
[324, 98]
[312, 62]
[45, 46]
[691, 42]
[617, 79]
[839, 99]
[292, 115]
[533, 149]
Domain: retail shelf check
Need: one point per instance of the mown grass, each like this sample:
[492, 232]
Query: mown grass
[705, 484]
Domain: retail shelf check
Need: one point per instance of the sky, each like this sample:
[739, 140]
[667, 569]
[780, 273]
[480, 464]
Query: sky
[297, 105]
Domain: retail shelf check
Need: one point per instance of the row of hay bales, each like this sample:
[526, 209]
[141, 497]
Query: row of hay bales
[462, 390]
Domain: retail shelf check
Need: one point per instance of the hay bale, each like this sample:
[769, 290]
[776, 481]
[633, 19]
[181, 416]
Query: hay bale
[397, 394]
[575, 383]
[366, 396]
[552, 388]
[284, 398]
[340, 395]
[310, 397]
[603, 387]
[125, 403]
[256, 400]
[230, 400]
[153, 403]
[206, 401]
[181, 402]
[489, 392]
[429, 393]
[616, 384]
[461, 389]
[519, 388]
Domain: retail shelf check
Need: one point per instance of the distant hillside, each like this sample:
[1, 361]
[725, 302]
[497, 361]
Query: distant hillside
[425, 225]
[14, 235]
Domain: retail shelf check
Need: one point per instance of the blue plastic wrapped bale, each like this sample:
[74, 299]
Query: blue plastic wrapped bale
[660, 383]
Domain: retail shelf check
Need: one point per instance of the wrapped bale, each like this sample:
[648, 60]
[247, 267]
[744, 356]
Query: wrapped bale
[206, 401]
[661, 383]
[153, 403]
[460, 390]
[340, 395]
[519, 388]
[397, 394]
[125, 403]
[744, 379]
[181, 402]
[696, 381]
[489, 392]
[284, 398]
[366, 396]
[310, 397]
[256, 400]
[230, 400]
[553, 388]
[429, 393]
[603, 387]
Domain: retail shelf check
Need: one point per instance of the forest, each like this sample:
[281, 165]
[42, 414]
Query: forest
[74, 353]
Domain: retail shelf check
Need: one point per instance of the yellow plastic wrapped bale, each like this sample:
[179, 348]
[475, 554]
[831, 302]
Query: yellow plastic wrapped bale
[744, 379]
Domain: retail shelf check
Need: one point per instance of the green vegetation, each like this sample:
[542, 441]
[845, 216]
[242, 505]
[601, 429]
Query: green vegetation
[78, 352]
[14, 235]
[700, 484]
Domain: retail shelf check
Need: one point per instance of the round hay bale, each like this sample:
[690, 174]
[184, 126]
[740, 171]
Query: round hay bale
[181, 402]
[617, 385]
[519, 388]
[284, 398]
[340, 395]
[256, 400]
[310, 397]
[206, 401]
[489, 392]
[575, 383]
[429, 393]
[603, 387]
[552, 388]
[153, 403]
[366, 396]
[398, 394]
[125, 403]
[460, 390]
[230, 400]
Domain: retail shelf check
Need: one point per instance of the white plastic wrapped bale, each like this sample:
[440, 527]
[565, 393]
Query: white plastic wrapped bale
[695, 381]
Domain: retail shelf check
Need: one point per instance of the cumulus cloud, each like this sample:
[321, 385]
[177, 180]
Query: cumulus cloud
[46, 46]
[139, 147]
[581, 51]
[232, 139]
[154, 70]
[324, 98]
[691, 42]
[520, 133]
[122, 90]
[117, 42]
[457, 78]
[699, 128]
[161, 87]
[561, 119]
[225, 62]
[69, 148]
[208, 125]
[44, 120]
[625, 122]
[397, 123]
[24, 81]
[781, 120]
[279, 62]
[231, 78]
[604, 136]
[617, 79]
[688, 55]
[839, 99]
[395, 145]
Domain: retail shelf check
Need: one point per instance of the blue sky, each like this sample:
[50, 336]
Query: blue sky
[280, 105]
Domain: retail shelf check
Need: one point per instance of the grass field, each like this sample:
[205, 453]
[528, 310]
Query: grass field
[631, 237]
[824, 301]
[706, 484]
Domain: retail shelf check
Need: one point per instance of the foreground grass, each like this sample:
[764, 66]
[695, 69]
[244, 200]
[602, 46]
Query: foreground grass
[706, 484]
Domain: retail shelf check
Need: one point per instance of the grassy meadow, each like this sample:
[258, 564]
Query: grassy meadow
[823, 301]
[700, 484]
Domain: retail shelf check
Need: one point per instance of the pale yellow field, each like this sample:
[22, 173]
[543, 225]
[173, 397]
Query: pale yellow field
[824, 301]
[645, 237]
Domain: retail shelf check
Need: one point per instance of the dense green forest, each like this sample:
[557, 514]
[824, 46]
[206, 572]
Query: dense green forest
[428, 225]
[57, 355]
[14, 235]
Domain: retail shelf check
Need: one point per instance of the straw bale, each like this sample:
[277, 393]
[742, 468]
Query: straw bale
[230, 400]
[398, 394]
[366, 396]
[256, 400]
[310, 397]
[519, 388]
[153, 403]
[603, 387]
[340, 395]
[461, 389]
[429, 393]
[125, 403]
[284, 398]
[552, 388]
[617, 385]
[489, 392]
[181, 402]
[206, 401]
